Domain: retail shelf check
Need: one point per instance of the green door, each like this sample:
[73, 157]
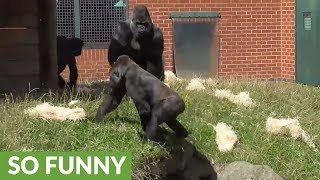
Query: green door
[308, 41]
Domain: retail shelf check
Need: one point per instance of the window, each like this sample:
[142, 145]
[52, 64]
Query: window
[93, 21]
[64, 15]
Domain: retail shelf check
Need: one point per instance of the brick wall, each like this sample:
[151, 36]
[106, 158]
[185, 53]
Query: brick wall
[92, 65]
[288, 39]
[256, 37]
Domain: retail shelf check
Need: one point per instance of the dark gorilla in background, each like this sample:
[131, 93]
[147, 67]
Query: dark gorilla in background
[141, 40]
[68, 49]
[155, 102]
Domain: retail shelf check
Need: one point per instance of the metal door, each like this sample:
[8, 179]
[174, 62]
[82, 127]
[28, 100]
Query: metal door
[308, 41]
[196, 44]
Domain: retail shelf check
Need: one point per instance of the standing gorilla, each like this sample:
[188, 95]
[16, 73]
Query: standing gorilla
[155, 102]
[68, 49]
[141, 40]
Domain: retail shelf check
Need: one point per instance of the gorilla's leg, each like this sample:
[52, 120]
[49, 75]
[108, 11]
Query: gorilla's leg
[61, 82]
[144, 111]
[110, 103]
[151, 126]
[149, 122]
[73, 72]
[177, 127]
[171, 108]
[152, 129]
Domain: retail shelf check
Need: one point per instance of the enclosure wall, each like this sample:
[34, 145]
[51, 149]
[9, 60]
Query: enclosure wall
[257, 38]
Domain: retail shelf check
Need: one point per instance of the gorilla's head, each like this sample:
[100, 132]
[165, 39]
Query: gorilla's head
[119, 69]
[141, 24]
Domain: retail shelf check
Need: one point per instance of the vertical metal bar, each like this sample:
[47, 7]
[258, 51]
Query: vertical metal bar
[126, 8]
[76, 11]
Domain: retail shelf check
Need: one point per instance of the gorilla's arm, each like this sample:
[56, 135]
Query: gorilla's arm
[156, 66]
[114, 51]
[119, 41]
[110, 103]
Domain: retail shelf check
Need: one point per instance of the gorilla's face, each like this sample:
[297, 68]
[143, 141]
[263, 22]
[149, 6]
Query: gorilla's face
[141, 25]
[114, 77]
[118, 69]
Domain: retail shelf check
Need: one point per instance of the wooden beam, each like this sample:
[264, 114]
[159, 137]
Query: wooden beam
[19, 68]
[13, 28]
[28, 36]
[23, 83]
[48, 44]
[22, 52]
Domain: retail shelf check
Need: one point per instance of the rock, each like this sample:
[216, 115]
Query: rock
[241, 170]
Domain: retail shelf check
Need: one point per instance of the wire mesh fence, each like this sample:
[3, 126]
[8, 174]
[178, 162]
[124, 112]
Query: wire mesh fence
[94, 21]
[65, 18]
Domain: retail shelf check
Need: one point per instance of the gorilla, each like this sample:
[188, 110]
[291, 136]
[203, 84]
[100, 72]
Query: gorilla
[67, 50]
[155, 102]
[141, 40]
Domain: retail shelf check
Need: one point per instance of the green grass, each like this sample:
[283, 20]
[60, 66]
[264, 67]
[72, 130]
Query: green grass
[289, 158]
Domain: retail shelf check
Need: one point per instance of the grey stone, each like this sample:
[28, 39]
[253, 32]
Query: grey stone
[241, 170]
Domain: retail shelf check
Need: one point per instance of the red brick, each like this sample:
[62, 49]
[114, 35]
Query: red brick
[253, 34]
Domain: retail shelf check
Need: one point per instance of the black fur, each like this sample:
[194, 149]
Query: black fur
[68, 49]
[141, 40]
[155, 102]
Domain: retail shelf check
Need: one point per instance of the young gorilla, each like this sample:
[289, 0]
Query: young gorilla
[68, 49]
[141, 40]
[155, 102]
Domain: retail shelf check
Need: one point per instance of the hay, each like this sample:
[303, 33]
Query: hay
[171, 77]
[210, 81]
[288, 127]
[47, 111]
[220, 93]
[199, 80]
[225, 137]
[195, 84]
[243, 98]
[74, 102]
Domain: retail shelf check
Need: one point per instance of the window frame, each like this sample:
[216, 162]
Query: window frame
[77, 25]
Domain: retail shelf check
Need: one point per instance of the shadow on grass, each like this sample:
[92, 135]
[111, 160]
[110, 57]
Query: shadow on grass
[185, 162]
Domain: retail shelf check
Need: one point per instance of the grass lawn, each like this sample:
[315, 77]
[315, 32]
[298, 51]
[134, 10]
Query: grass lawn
[290, 158]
